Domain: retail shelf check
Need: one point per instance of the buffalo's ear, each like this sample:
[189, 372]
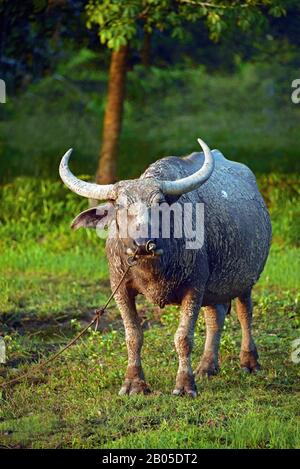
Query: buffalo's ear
[95, 217]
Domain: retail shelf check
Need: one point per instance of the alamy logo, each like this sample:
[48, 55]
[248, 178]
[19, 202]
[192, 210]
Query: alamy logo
[2, 351]
[295, 355]
[164, 221]
[2, 92]
[295, 96]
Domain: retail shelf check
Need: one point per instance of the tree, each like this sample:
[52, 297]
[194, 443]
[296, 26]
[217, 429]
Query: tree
[119, 23]
[34, 37]
[106, 172]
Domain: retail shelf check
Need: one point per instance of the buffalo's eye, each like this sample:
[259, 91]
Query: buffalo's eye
[171, 199]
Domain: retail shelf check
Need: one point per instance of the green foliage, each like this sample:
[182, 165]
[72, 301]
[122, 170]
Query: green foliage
[32, 208]
[242, 114]
[281, 193]
[118, 21]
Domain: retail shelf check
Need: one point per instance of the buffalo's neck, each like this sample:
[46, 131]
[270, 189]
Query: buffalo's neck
[159, 282]
[161, 279]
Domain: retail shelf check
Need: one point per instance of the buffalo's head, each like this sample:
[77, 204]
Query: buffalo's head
[130, 208]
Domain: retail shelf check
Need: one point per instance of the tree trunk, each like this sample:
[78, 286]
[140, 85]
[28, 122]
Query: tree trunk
[107, 168]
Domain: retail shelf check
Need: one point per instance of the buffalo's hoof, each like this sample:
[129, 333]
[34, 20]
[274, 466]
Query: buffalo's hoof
[136, 386]
[249, 363]
[185, 392]
[185, 385]
[208, 367]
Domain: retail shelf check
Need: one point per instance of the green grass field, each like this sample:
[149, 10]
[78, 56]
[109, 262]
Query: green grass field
[75, 404]
[51, 279]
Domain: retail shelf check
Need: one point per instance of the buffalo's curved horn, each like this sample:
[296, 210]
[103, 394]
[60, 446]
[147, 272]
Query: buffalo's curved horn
[189, 183]
[85, 189]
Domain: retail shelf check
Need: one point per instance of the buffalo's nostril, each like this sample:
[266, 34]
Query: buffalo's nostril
[150, 246]
[144, 246]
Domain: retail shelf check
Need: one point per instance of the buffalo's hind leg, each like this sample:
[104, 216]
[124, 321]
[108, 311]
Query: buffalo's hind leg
[214, 321]
[184, 337]
[134, 382]
[248, 354]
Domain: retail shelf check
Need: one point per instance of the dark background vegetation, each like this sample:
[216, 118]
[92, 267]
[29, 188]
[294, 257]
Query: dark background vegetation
[236, 95]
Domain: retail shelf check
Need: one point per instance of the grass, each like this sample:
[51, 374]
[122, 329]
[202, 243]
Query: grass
[51, 279]
[75, 404]
[282, 269]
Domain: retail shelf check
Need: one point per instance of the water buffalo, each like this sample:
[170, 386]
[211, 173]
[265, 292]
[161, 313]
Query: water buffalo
[227, 263]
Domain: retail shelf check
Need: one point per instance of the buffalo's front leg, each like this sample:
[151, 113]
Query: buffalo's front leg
[134, 382]
[184, 338]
